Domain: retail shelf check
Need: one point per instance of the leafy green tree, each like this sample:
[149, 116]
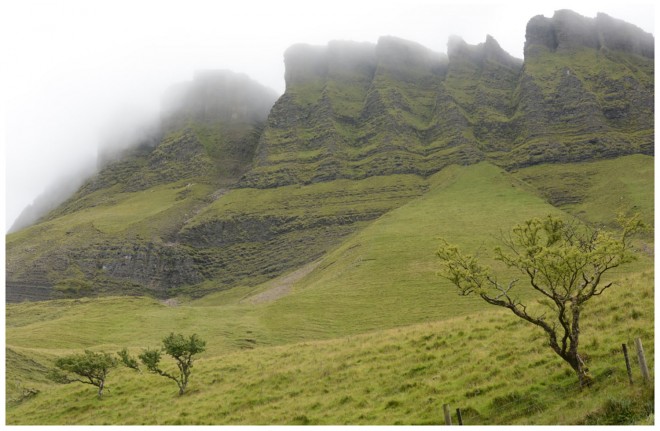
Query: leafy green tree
[564, 266]
[89, 368]
[128, 360]
[182, 350]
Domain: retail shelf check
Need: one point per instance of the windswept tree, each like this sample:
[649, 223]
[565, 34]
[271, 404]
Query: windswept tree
[563, 264]
[90, 368]
[181, 349]
[127, 360]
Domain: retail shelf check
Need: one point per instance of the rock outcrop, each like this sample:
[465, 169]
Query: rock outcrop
[568, 30]
[586, 90]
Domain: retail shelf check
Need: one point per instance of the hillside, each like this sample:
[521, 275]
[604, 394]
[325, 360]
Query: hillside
[229, 192]
[378, 338]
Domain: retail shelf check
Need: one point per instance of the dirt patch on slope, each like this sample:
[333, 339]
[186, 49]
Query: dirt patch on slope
[282, 286]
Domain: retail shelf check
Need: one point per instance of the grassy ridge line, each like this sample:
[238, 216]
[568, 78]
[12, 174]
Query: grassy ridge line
[493, 366]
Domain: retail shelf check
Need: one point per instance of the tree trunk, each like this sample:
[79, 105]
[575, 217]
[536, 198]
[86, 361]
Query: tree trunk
[581, 370]
[101, 384]
[183, 383]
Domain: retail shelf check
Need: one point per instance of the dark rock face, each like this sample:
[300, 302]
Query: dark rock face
[160, 267]
[567, 30]
[540, 33]
[117, 267]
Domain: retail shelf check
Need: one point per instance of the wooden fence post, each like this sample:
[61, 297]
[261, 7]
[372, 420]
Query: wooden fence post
[459, 416]
[445, 408]
[625, 355]
[642, 360]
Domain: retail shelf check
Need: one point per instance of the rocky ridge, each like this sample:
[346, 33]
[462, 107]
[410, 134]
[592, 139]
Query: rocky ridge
[584, 90]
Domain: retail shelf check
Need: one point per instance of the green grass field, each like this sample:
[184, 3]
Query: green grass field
[367, 334]
[489, 364]
[596, 191]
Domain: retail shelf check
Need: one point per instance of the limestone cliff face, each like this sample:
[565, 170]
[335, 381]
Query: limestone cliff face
[482, 80]
[353, 110]
[568, 30]
[584, 90]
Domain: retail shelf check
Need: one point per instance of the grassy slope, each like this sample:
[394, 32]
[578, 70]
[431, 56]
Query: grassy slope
[400, 375]
[124, 218]
[264, 233]
[336, 198]
[596, 191]
[310, 218]
[382, 277]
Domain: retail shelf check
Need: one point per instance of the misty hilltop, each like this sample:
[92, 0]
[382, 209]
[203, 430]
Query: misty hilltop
[219, 98]
[234, 185]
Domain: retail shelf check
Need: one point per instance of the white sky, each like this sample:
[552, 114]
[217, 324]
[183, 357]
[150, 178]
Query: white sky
[69, 66]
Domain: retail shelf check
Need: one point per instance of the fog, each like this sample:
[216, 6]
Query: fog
[82, 77]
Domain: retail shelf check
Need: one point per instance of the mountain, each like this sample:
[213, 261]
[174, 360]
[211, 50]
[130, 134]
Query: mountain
[306, 227]
[235, 187]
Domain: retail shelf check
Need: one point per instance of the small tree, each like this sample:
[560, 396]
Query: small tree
[564, 265]
[90, 368]
[181, 350]
[128, 360]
